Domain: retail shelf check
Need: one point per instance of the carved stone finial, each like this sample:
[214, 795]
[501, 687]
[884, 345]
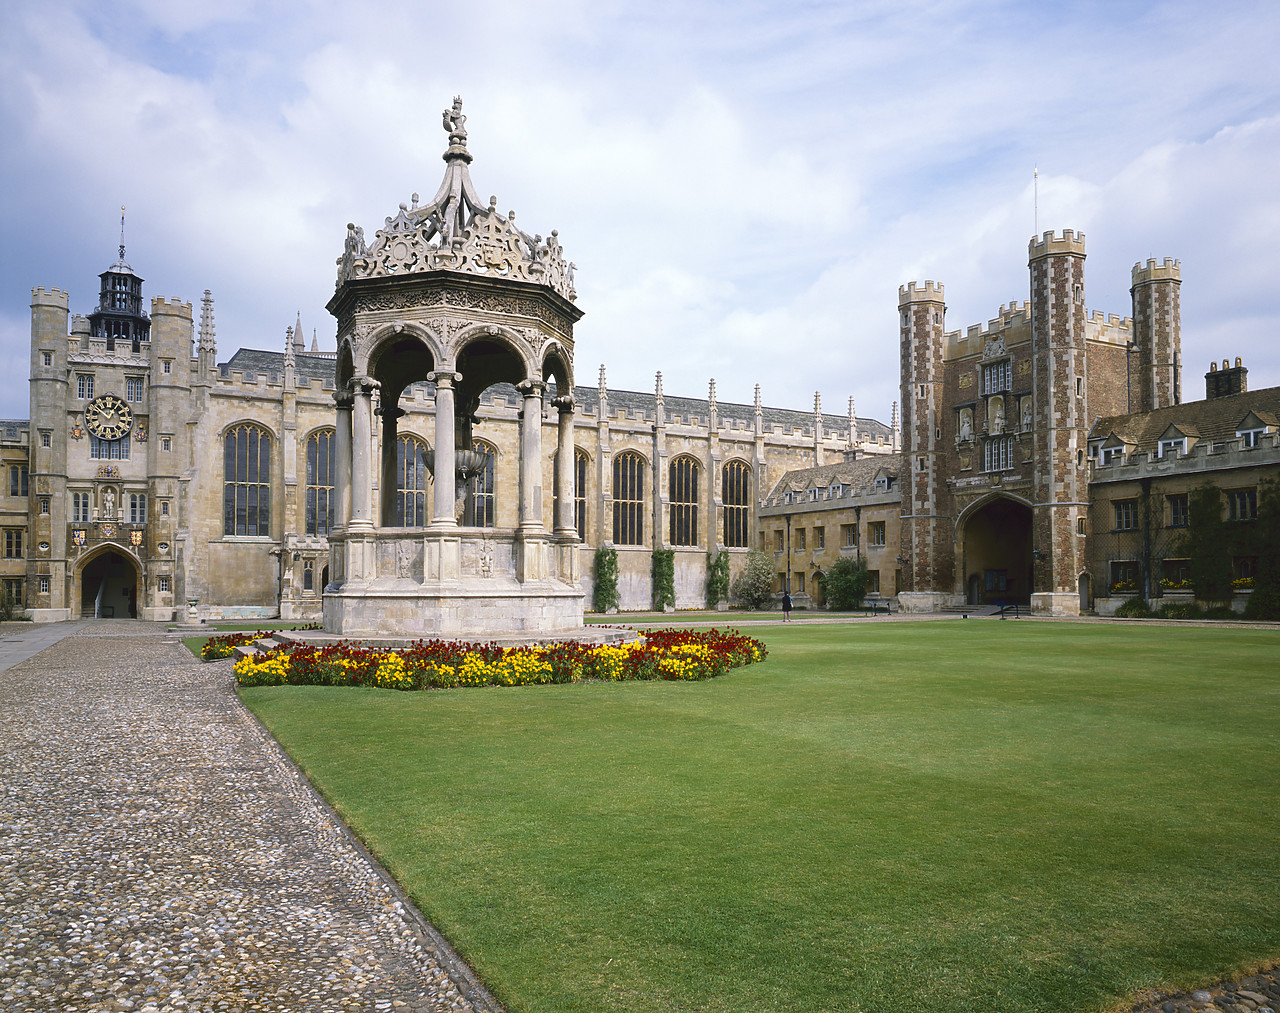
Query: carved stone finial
[456, 123]
[711, 394]
[603, 388]
[758, 408]
[657, 385]
[817, 403]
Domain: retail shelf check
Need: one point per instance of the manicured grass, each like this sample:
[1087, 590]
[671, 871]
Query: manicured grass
[969, 816]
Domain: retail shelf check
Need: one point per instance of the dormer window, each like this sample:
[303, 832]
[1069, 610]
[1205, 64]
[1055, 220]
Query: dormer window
[882, 484]
[1173, 448]
[836, 491]
[1249, 438]
[813, 495]
[1113, 455]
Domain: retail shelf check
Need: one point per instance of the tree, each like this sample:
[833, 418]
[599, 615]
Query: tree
[845, 584]
[754, 585]
[1207, 545]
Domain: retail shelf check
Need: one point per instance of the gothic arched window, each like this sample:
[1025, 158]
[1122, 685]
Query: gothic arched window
[319, 505]
[482, 506]
[411, 482]
[580, 493]
[246, 480]
[628, 499]
[736, 495]
[684, 501]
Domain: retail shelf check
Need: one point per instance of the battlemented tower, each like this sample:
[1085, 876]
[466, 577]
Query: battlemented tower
[926, 522]
[1157, 334]
[1060, 495]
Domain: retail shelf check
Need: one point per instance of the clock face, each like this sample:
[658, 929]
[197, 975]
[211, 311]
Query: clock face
[108, 417]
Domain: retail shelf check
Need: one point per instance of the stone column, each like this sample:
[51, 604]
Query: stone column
[361, 450]
[390, 474]
[342, 454]
[566, 468]
[444, 477]
[531, 456]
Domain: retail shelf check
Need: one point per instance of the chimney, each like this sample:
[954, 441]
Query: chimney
[1227, 380]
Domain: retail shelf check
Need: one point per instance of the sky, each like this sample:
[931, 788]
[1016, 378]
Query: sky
[743, 185]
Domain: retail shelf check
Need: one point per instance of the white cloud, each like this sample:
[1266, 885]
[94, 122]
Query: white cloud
[742, 187]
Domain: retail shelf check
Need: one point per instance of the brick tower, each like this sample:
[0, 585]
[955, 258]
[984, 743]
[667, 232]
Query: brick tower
[1157, 334]
[1059, 381]
[926, 539]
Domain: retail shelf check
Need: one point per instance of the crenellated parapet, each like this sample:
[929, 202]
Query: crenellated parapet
[1168, 270]
[160, 306]
[51, 297]
[913, 292]
[1051, 244]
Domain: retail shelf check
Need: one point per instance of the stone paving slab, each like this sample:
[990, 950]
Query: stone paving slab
[158, 853]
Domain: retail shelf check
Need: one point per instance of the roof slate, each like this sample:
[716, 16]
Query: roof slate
[1213, 419]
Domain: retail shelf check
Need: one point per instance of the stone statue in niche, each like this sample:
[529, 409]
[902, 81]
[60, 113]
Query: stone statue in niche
[108, 504]
[1026, 414]
[966, 425]
[996, 411]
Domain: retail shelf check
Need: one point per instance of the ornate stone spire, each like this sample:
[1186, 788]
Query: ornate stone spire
[659, 403]
[290, 344]
[456, 231]
[207, 341]
[759, 413]
[713, 411]
[299, 342]
[853, 426]
[602, 395]
[893, 422]
[315, 343]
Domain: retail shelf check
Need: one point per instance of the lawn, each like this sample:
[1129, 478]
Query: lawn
[969, 816]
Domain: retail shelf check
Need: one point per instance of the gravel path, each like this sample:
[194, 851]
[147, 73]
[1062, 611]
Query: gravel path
[158, 853]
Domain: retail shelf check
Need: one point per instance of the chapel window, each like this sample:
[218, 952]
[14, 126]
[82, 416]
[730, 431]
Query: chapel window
[736, 493]
[628, 499]
[482, 506]
[246, 481]
[684, 501]
[580, 493]
[411, 482]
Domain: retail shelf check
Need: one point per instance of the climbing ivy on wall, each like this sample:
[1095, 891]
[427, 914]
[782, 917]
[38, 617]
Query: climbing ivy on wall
[717, 578]
[605, 594]
[664, 578]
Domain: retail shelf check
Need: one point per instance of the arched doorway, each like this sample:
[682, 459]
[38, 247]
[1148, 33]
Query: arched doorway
[997, 553]
[109, 584]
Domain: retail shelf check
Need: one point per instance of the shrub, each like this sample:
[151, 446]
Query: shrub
[1221, 612]
[754, 586]
[845, 584]
[1134, 608]
[1179, 610]
[604, 596]
[717, 578]
[1208, 546]
[1263, 604]
[664, 578]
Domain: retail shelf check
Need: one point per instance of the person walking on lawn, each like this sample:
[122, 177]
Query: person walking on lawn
[786, 606]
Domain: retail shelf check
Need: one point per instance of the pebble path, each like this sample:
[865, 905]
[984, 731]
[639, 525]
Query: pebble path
[158, 853]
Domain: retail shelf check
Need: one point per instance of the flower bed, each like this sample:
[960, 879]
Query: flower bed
[217, 648]
[683, 655]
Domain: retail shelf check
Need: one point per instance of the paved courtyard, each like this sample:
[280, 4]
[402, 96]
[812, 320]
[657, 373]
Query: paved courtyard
[158, 853]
